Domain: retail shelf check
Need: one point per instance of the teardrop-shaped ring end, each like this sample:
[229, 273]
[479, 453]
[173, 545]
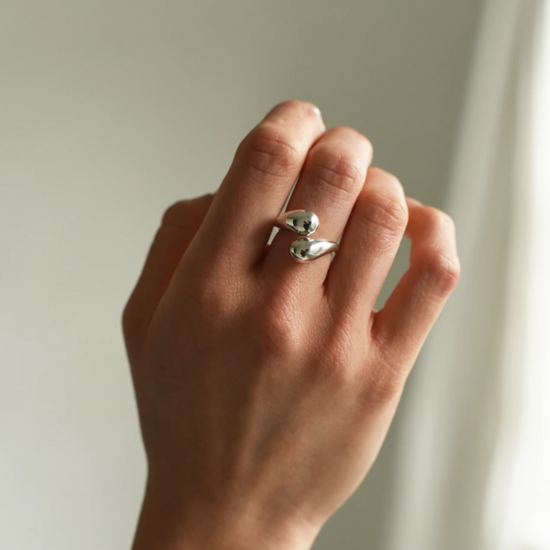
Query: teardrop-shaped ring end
[305, 250]
[303, 222]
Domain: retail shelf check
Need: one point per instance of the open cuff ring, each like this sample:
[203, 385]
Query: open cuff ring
[305, 222]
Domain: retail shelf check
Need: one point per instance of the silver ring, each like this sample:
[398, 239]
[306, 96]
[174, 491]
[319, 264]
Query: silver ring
[302, 222]
[305, 250]
[305, 222]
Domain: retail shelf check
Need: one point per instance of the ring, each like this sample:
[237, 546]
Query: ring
[302, 222]
[306, 249]
[305, 222]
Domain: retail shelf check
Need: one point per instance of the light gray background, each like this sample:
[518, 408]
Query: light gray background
[110, 111]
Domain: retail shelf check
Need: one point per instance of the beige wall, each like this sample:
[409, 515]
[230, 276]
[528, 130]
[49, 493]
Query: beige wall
[110, 111]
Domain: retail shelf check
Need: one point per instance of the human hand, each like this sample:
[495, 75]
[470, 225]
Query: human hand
[265, 387]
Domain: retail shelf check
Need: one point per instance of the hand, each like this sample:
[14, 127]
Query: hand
[265, 387]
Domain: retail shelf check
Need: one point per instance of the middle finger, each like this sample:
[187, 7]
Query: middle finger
[331, 180]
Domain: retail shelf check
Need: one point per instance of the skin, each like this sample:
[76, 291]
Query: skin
[265, 387]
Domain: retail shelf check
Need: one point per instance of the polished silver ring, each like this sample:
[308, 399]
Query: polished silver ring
[305, 222]
[302, 222]
[307, 249]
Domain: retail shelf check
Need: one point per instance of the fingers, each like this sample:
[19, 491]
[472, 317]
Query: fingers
[265, 167]
[369, 245]
[332, 178]
[179, 225]
[414, 305]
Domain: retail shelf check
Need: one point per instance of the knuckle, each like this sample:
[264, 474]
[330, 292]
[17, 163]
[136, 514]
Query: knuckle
[363, 143]
[298, 106]
[177, 214]
[277, 328]
[387, 209]
[175, 211]
[294, 103]
[272, 152]
[438, 220]
[338, 172]
[340, 347]
[187, 214]
[442, 271]
[277, 337]
[207, 297]
[441, 267]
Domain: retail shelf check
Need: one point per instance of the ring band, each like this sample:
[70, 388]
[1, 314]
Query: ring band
[305, 222]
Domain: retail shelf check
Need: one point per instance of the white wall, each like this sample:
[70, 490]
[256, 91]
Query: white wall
[110, 111]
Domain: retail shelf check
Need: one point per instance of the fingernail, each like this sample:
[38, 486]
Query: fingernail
[317, 111]
[414, 201]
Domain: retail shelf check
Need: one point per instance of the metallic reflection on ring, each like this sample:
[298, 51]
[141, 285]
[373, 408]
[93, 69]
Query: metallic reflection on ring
[302, 222]
[304, 250]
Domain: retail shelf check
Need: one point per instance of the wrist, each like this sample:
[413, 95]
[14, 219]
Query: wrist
[167, 522]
